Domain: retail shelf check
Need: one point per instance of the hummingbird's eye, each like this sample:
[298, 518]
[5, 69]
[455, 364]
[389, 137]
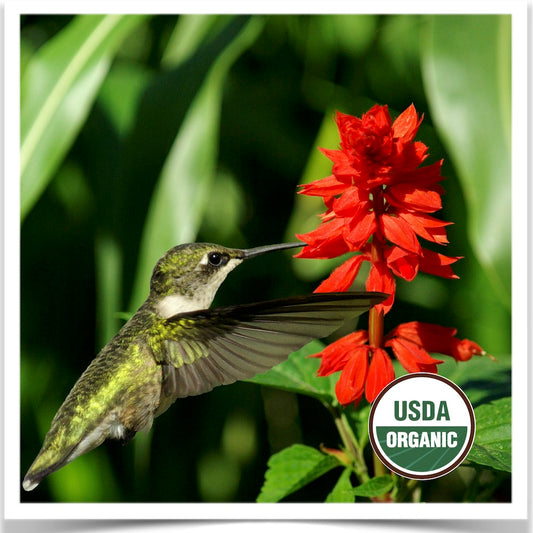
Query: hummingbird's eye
[217, 258]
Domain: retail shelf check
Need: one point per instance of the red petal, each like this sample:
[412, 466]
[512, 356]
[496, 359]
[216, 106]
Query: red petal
[351, 383]
[341, 279]
[353, 202]
[380, 279]
[412, 197]
[334, 356]
[324, 242]
[428, 335]
[428, 176]
[402, 263]
[437, 264]
[411, 356]
[358, 229]
[406, 125]
[463, 350]
[428, 227]
[399, 232]
[329, 186]
[344, 344]
[438, 339]
[380, 374]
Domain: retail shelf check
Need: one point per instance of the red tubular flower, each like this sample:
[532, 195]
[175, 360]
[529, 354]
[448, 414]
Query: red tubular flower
[380, 202]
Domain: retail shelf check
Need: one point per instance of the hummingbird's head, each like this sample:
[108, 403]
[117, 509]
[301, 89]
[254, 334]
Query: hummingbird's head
[187, 277]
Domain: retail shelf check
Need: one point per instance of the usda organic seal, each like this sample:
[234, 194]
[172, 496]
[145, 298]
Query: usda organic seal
[421, 426]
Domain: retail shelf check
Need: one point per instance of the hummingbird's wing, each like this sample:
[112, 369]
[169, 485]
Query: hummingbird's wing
[203, 349]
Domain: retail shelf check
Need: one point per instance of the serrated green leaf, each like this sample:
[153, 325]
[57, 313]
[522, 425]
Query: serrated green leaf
[374, 487]
[291, 469]
[298, 374]
[492, 443]
[342, 491]
[58, 87]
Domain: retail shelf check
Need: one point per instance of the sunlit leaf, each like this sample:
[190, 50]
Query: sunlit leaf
[466, 68]
[188, 34]
[492, 443]
[58, 87]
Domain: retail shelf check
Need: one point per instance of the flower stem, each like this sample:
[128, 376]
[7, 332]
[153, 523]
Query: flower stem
[375, 328]
[350, 443]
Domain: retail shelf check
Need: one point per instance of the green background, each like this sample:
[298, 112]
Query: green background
[138, 133]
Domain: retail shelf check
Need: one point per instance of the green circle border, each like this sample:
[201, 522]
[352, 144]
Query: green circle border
[457, 462]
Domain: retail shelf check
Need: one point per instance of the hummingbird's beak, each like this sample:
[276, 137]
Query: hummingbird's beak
[260, 250]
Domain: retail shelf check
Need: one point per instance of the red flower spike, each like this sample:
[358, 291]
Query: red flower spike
[379, 201]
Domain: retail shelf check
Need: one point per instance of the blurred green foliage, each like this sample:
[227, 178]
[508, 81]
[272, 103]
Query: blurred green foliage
[154, 130]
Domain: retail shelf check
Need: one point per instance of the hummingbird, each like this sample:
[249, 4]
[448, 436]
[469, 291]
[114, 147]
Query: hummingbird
[174, 346]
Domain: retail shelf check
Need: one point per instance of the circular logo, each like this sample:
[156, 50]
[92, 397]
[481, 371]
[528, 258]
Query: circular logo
[421, 426]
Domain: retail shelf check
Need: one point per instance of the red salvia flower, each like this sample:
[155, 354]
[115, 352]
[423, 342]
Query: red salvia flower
[378, 193]
[380, 202]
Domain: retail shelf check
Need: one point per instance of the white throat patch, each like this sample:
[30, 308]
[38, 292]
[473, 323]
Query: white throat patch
[174, 304]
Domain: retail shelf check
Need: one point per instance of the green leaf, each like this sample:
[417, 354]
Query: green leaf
[188, 34]
[58, 87]
[482, 379]
[374, 487]
[358, 419]
[182, 192]
[120, 93]
[492, 443]
[291, 469]
[466, 69]
[298, 374]
[108, 265]
[342, 491]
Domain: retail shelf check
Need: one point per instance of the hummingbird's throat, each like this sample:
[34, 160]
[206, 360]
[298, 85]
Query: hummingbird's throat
[200, 298]
[174, 304]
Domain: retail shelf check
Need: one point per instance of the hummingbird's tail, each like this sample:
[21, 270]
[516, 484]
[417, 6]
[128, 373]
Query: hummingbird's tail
[60, 448]
[48, 461]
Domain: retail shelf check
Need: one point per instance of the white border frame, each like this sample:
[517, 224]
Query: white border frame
[14, 509]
